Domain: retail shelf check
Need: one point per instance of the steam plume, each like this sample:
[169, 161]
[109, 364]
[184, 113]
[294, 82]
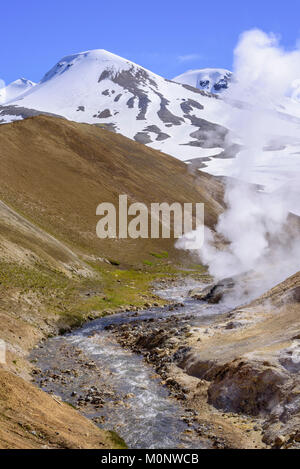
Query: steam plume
[255, 229]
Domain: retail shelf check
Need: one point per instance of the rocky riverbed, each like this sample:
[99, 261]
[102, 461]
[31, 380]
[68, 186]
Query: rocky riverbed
[192, 374]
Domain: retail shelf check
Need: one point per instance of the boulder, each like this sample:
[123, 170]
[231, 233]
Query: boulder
[215, 292]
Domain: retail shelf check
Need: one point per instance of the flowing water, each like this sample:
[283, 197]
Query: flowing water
[131, 401]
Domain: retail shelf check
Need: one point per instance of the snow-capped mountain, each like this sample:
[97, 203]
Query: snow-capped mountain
[15, 89]
[192, 124]
[213, 80]
[98, 87]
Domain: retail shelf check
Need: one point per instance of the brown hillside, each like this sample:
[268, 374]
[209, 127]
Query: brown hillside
[56, 172]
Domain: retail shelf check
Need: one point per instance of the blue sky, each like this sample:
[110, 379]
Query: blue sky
[168, 37]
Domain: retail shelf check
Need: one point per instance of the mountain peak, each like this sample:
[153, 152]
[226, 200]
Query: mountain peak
[88, 61]
[213, 80]
[15, 89]
[23, 81]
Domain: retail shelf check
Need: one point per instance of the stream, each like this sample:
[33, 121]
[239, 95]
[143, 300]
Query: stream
[115, 387]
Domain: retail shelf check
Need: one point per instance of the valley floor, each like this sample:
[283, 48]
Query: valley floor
[235, 373]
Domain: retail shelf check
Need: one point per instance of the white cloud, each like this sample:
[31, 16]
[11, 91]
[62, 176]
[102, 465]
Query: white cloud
[189, 57]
